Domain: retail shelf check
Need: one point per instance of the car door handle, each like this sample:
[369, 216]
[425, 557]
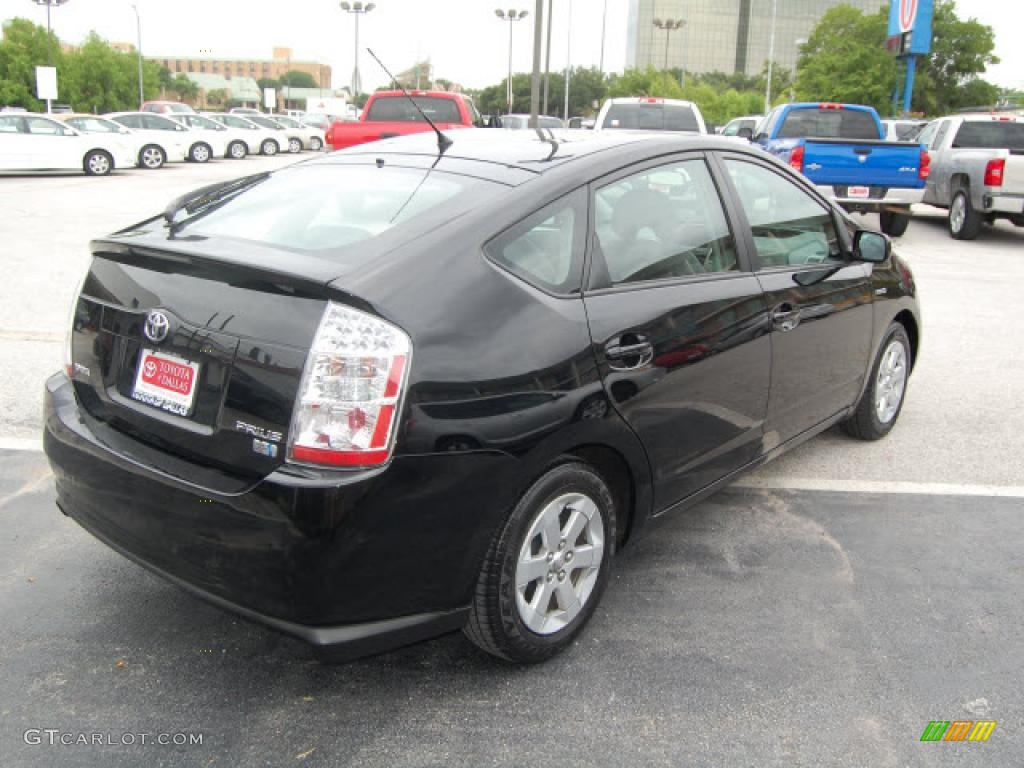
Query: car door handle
[862, 151]
[624, 357]
[785, 317]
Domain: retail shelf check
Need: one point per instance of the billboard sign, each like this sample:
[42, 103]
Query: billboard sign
[910, 26]
[46, 83]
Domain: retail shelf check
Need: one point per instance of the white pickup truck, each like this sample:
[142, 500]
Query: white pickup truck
[977, 170]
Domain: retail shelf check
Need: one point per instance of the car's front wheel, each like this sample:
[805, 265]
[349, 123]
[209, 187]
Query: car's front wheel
[882, 401]
[152, 157]
[269, 147]
[98, 163]
[200, 153]
[547, 567]
[237, 150]
[294, 145]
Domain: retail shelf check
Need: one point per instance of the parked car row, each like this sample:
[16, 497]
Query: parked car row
[149, 139]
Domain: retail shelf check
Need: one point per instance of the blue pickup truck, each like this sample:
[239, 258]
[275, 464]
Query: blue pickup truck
[841, 148]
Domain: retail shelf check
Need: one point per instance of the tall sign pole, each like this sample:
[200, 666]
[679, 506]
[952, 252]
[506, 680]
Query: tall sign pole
[910, 36]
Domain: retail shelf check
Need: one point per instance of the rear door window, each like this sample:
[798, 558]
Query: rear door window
[157, 123]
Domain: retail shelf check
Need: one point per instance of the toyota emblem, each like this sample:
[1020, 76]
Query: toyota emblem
[157, 326]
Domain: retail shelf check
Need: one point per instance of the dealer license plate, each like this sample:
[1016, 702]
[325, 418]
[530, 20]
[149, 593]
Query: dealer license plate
[858, 192]
[166, 382]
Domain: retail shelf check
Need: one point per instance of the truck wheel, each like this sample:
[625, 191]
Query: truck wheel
[964, 222]
[894, 224]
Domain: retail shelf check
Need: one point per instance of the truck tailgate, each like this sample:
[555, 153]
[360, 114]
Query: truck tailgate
[867, 163]
[1013, 173]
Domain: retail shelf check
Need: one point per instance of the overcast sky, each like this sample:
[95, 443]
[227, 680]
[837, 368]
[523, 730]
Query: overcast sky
[464, 39]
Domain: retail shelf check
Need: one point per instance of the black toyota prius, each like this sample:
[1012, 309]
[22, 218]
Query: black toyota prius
[406, 389]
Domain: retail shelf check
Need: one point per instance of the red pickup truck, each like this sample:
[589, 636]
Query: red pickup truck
[390, 113]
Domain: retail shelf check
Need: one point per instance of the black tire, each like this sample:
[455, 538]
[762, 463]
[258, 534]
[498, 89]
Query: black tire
[237, 150]
[97, 162]
[294, 146]
[152, 157]
[268, 147]
[894, 224]
[972, 221]
[495, 622]
[1018, 220]
[200, 153]
[316, 144]
[865, 423]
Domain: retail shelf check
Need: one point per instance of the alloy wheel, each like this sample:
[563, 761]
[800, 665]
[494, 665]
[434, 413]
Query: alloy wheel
[958, 213]
[559, 562]
[294, 145]
[238, 150]
[200, 153]
[152, 157]
[891, 381]
[99, 164]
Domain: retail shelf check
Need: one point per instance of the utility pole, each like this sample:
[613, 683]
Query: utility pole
[771, 57]
[547, 59]
[604, 24]
[138, 51]
[357, 9]
[538, 36]
[568, 61]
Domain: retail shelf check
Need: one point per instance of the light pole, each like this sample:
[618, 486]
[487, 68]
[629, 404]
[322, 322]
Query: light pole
[138, 51]
[547, 59]
[357, 9]
[604, 25]
[512, 15]
[670, 26]
[49, 4]
[771, 56]
[568, 61]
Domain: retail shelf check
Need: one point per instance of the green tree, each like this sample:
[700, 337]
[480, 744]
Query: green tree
[296, 79]
[24, 46]
[268, 82]
[217, 97]
[102, 79]
[845, 60]
[184, 87]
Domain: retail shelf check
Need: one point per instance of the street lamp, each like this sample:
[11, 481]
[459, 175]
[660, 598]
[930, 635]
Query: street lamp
[357, 8]
[49, 4]
[138, 50]
[511, 16]
[771, 57]
[669, 25]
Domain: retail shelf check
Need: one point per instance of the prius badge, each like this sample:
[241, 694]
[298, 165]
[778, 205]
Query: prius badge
[157, 326]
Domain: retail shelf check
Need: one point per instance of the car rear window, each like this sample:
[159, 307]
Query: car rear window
[330, 206]
[651, 117]
[978, 134]
[829, 124]
[398, 109]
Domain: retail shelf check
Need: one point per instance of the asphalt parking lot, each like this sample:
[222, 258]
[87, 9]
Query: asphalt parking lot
[820, 612]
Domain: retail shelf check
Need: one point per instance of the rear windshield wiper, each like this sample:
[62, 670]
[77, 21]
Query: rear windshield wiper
[207, 198]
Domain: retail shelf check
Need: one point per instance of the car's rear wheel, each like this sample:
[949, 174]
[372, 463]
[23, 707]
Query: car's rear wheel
[152, 157]
[269, 147]
[882, 401]
[894, 224]
[315, 144]
[547, 567]
[200, 153]
[294, 145]
[98, 163]
[964, 222]
[237, 150]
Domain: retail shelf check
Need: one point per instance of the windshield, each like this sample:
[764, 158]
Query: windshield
[399, 109]
[651, 117]
[817, 123]
[287, 121]
[978, 134]
[734, 128]
[94, 125]
[198, 121]
[327, 206]
[234, 122]
[265, 122]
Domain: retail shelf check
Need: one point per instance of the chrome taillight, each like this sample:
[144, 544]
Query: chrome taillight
[347, 407]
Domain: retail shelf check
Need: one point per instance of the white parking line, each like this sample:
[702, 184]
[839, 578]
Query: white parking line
[20, 444]
[878, 486]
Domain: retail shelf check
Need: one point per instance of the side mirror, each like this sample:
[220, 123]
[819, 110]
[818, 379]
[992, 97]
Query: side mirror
[871, 246]
[745, 133]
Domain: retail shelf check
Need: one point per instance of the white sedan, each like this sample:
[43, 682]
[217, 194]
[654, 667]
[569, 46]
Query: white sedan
[261, 139]
[163, 140]
[30, 142]
[311, 136]
[225, 142]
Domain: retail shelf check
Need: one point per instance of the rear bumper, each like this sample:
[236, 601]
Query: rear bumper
[355, 562]
[1003, 203]
[895, 197]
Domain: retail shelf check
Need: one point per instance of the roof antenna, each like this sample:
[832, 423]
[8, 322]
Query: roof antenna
[443, 142]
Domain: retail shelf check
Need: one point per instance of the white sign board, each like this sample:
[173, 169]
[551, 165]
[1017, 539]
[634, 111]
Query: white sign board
[46, 83]
[269, 98]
